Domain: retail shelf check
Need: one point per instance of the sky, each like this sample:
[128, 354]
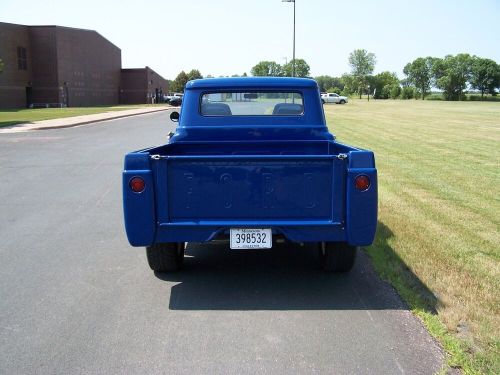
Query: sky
[226, 37]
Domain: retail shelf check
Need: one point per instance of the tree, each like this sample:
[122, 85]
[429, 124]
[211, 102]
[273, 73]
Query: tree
[350, 84]
[408, 92]
[326, 82]
[179, 82]
[451, 75]
[386, 92]
[267, 69]
[362, 65]
[194, 74]
[395, 91]
[392, 91]
[485, 75]
[381, 80]
[371, 85]
[419, 73]
[302, 68]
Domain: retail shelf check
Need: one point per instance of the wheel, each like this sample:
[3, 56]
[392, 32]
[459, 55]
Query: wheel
[342, 101]
[165, 257]
[322, 101]
[337, 256]
[176, 102]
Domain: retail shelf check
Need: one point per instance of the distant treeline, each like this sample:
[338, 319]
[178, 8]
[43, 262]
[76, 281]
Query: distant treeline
[452, 76]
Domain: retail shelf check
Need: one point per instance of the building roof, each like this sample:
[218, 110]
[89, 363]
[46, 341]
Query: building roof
[63, 27]
[251, 82]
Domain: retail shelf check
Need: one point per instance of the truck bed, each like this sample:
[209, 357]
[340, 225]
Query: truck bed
[200, 190]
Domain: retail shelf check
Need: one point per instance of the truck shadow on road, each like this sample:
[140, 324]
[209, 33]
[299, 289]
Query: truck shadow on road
[286, 277]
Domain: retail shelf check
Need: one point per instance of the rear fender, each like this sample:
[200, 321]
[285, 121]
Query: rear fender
[361, 206]
[138, 208]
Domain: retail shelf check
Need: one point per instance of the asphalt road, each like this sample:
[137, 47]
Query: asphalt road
[76, 298]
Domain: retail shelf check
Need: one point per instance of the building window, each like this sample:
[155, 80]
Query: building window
[22, 62]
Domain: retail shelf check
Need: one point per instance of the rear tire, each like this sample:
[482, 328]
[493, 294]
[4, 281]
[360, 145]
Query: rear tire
[337, 256]
[165, 257]
[322, 101]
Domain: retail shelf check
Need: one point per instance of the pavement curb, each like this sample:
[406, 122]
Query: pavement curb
[70, 122]
[97, 120]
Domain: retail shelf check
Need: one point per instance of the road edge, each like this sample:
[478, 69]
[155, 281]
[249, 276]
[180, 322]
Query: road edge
[98, 120]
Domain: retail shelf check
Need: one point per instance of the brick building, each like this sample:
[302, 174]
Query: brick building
[63, 66]
[138, 85]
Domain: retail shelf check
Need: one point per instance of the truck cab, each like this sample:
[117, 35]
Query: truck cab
[251, 160]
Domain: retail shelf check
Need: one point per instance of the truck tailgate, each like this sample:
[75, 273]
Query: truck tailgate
[249, 188]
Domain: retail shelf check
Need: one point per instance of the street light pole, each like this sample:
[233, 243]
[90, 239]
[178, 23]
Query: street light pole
[293, 65]
[293, 58]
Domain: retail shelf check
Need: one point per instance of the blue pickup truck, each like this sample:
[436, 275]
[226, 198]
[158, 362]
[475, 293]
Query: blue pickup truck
[251, 162]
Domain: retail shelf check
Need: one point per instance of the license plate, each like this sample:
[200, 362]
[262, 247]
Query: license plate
[250, 238]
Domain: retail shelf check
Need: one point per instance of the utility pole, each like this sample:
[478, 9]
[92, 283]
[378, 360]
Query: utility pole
[293, 58]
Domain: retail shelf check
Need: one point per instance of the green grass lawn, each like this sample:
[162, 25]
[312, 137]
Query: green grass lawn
[18, 116]
[438, 239]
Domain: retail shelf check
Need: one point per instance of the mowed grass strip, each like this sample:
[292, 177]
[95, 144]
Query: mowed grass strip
[438, 239]
[10, 117]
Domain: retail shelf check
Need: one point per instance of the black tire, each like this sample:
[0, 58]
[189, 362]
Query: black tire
[176, 102]
[322, 101]
[342, 101]
[165, 257]
[337, 256]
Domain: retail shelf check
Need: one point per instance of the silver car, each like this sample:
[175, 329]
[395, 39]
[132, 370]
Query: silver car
[331, 97]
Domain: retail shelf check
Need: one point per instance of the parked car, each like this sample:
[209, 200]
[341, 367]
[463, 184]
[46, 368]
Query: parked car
[176, 95]
[176, 101]
[251, 162]
[331, 97]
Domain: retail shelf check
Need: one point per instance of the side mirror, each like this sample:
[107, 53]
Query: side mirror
[174, 116]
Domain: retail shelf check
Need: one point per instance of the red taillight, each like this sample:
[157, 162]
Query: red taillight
[362, 182]
[137, 184]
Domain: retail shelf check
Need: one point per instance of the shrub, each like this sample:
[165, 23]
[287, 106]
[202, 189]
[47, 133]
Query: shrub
[434, 97]
[345, 93]
[395, 91]
[407, 92]
[477, 98]
[386, 92]
[334, 89]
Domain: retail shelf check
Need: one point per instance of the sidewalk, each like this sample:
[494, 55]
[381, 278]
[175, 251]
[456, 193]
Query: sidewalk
[67, 122]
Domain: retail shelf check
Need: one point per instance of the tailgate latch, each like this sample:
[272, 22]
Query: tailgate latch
[342, 156]
[158, 157]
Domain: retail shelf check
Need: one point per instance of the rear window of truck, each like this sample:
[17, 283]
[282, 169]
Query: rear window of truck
[252, 104]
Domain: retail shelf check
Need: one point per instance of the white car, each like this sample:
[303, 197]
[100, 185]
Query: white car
[331, 97]
[171, 96]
